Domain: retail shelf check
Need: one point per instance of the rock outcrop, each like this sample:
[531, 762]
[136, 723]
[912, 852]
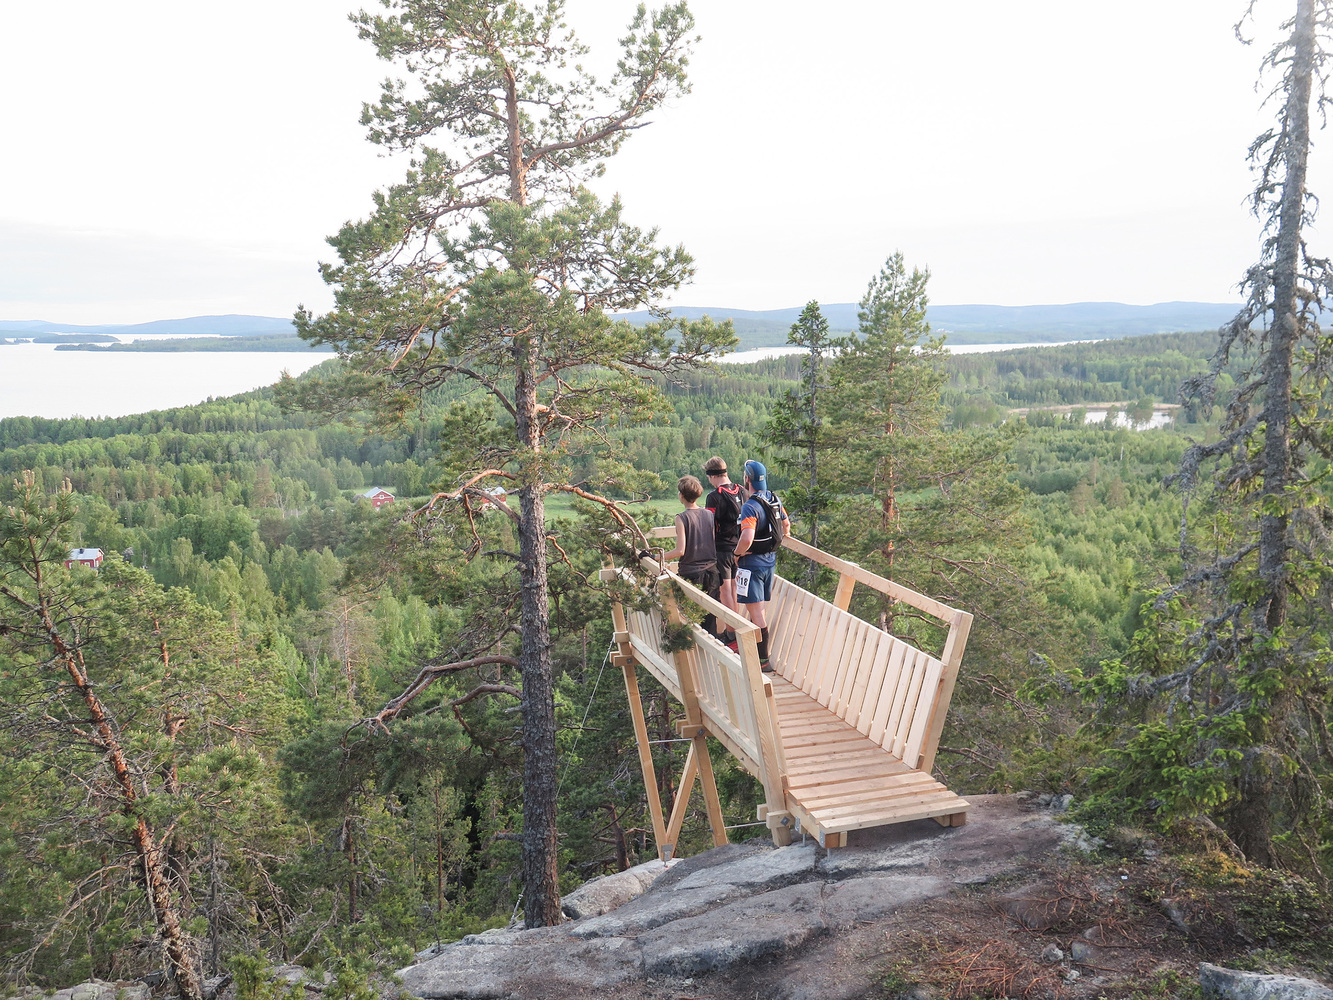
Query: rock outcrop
[735, 905]
[1233, 984]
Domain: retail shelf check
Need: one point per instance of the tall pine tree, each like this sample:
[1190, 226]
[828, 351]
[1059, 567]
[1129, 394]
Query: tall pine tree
[490, 264]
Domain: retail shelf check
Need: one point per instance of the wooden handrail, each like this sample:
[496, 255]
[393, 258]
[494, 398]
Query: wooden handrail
[853, 571]
[738, 622]
[884, 585]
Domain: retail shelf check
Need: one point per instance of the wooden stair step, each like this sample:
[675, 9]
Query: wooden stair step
[942, 800]
[859, 791]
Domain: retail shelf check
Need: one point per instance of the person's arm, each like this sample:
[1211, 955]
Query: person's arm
[679, 550]
[748, 525]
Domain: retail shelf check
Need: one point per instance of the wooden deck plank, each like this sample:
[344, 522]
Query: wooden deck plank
[795, 715]
[817, 784]
[820, 747]
[813, 765]
[828, 738]
[943, 803]
[798, 722]
[866, 790]
[919, 807]
[838, 797]
[813, 762]
[814, 795]
[814, 727]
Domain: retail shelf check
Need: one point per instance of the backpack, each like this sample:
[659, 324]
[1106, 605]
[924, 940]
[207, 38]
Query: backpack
[725, 519]
[770, 539]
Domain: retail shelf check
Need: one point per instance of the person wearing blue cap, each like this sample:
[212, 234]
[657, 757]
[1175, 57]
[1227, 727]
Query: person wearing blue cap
[763, 526]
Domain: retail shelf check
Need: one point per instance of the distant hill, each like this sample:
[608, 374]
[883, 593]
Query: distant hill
[984, 324]
[964, 324]
[199, 326]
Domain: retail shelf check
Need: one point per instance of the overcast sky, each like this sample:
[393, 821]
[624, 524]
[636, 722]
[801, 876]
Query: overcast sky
[166, 159]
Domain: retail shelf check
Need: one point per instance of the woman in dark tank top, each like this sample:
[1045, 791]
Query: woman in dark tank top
[700, 551]
[695, 546]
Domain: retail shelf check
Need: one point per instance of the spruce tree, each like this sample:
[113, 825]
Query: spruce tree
[928, 505]
[797, 421]
[1249, 702]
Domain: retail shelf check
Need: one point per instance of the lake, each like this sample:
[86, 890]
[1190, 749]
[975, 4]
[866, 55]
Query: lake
[36, 380]
[1160, 418]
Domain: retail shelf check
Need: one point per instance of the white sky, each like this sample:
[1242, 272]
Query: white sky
[167, 159]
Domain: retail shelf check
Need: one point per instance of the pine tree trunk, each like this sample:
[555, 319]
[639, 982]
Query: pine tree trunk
[814, 456]
[180, 966]
[1252, 818]
[541, 903]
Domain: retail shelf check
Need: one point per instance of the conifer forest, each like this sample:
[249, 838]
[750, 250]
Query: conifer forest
[282, 724]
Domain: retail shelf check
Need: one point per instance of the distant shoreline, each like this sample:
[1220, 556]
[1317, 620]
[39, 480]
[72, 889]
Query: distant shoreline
[265, 343]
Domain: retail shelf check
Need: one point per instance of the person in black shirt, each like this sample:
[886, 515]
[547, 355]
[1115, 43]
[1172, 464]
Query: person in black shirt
[725, 503]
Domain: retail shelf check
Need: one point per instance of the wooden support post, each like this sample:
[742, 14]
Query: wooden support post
[951, 659]
[842, 597]
[689, 691]
[708, 784]
[645, 755]
[681, 804]
[770, 751]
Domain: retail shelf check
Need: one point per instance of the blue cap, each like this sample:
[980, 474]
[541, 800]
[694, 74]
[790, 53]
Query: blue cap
[757, 474]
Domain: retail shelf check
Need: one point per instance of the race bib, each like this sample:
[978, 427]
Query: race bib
[742, 583]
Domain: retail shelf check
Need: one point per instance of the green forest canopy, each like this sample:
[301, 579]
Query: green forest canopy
[253, 512]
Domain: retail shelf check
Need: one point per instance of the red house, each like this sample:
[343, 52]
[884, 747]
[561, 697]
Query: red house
[377, 497]
[84, 557]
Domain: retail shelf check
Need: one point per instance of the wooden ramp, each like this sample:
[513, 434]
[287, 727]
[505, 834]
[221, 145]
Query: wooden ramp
[842, 735]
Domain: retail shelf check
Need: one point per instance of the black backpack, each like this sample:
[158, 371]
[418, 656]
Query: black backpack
[770, 539]
[726, 520]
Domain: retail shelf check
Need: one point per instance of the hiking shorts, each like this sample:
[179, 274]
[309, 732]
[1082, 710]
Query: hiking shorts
[726, 566]
[705, 579]
[761, 586]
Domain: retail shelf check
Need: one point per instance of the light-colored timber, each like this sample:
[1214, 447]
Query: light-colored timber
[842, 736]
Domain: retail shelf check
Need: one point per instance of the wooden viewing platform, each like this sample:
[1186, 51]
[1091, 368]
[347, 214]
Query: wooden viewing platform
[842, 735]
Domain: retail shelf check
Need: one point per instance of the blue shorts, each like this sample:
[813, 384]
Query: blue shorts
[761, 585]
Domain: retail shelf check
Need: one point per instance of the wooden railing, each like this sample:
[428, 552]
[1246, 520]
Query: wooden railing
[889, 690]
[724, 694]
[879, 684]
